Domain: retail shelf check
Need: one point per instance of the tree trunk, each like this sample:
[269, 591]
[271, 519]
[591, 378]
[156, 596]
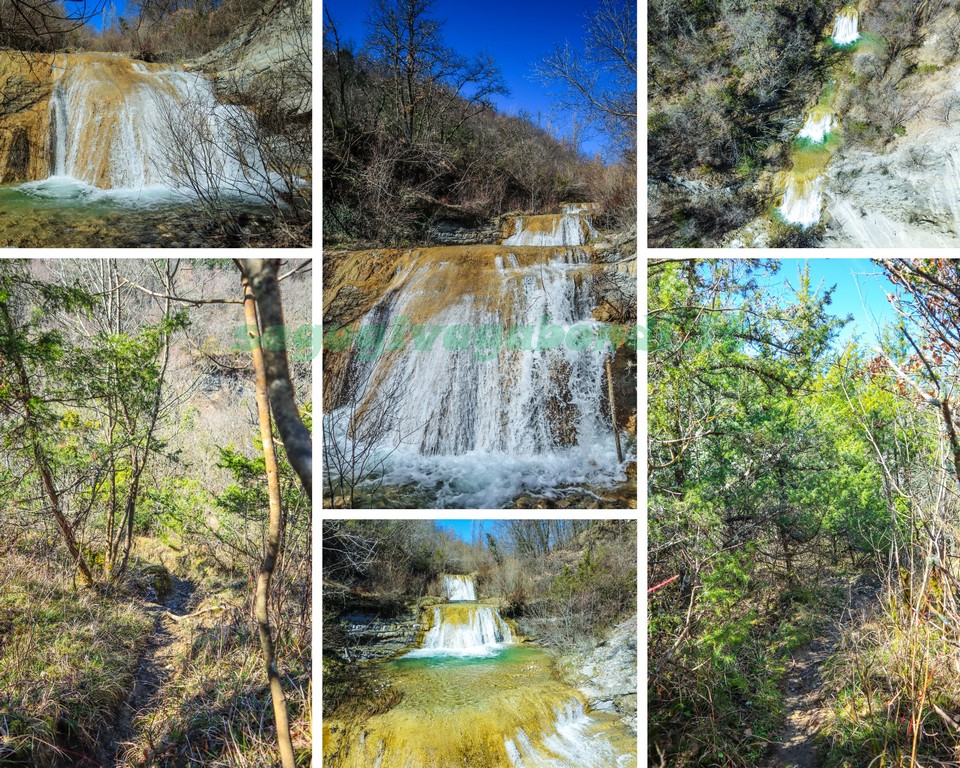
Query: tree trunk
[262, 277]
[272, 551]
[613, 408]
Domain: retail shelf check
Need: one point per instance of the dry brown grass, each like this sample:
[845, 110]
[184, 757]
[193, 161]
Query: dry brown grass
[67, 662]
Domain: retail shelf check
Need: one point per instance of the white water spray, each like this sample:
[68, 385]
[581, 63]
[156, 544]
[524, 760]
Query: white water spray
[846, 27]
[574, 741]
[816, 127]
[459, 588]
[474, 630]
[803, 201]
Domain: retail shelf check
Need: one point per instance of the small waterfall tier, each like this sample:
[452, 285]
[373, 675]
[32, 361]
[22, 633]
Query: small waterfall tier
[571, 227]
[816, 127]
[465, 627]
[803, 201]
[846, 26]
[466, 630]
[459, 588]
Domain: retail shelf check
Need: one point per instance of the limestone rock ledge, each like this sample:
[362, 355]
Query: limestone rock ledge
[607, 673]
[271, 55]
[371, 636]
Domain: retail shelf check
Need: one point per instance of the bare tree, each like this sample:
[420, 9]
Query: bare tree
[42, 25]
[360, 429]
[252, 144]
[430, 82]
[600, 82]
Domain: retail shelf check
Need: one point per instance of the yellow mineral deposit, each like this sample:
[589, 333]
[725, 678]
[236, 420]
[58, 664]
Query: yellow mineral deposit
[471, 697]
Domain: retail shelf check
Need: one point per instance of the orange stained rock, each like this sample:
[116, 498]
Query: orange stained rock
[25, 83]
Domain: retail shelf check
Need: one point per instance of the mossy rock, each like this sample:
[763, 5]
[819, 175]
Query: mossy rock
[159, 578]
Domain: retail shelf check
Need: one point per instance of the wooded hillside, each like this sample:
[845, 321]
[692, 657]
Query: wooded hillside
[411, 135]
[155, 556]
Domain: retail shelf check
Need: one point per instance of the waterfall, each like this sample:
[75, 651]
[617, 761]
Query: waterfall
[816, 127]
[124, 129]
[464, 627]
[803, 201]
[845, 27]
[482, 370]
[459, 588]
[465, 630]
[502, 315]
[571, 227]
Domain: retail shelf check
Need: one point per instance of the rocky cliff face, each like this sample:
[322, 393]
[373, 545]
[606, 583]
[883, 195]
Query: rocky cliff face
[370, 636]
[25, 85]
[272, 54]
[607, 673]
[906, 195]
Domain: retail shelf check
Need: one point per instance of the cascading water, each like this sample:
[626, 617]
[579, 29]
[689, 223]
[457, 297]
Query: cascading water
[846, 27]
[471, 696]
[130, 131]
[485, 369]
[816, 127]
[572, 227]
[459, 588]
[464, 627]
[803, 201]
[576, 739]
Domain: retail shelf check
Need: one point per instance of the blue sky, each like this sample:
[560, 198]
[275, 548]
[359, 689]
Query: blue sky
[861, 290]
[463, 529]
[516, 34]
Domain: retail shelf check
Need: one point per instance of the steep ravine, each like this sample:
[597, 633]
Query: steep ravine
[900, 191]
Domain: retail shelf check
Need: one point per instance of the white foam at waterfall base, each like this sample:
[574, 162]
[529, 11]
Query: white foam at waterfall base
[489, 480]
[845, 27]
[571, 744]
[66, 189]
[803, 202]
[816, 127]
[459, 588]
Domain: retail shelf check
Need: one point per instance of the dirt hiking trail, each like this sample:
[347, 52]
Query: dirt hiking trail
[804, 701]
[156, 667]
